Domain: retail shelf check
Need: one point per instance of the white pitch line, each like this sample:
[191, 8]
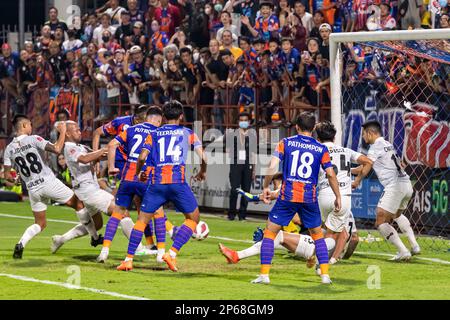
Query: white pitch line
[72, 287]
[391, 255]
[237, 240]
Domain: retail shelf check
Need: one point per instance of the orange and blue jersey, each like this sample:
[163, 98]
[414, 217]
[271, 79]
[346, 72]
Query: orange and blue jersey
[114, 128]
[132, 139]
[169, 146]
[266, 27]
[302, 157]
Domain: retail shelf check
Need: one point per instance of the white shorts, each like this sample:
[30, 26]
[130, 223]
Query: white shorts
[350, 226]
[306, 247]
[335, 221]
[396, 197]
[96, 199]
[52, 190]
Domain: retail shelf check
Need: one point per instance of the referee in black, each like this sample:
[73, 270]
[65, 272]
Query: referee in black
[241, 145]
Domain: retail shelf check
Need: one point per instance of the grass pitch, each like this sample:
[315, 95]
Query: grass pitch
[203, 272]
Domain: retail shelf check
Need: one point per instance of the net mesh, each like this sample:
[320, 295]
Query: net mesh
[405, 85]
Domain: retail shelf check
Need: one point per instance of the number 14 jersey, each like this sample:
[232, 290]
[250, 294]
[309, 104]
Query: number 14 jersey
[25, 154]
[302, 158]
[169, 146]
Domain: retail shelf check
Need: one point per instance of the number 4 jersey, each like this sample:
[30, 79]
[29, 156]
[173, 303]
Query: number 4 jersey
[341, 159]
[386, 163]
[302, 158]
[25, 153]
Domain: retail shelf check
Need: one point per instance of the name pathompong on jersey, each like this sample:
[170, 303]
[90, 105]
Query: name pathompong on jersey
[302, 157]
[169, 146]
[132, 139]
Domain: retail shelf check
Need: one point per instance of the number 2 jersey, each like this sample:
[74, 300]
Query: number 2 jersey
[386, 164]
[341, 159]
[25, 154]
[169, 146]
[302, 157]
[132, 140]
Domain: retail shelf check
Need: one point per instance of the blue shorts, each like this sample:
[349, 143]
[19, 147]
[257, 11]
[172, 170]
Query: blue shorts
[283, 211]
[127, 190]
[180, 194]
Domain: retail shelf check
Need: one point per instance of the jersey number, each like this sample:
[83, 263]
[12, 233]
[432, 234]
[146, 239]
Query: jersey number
[397, 164]
[136, 145]
[304, 171]
[172, 150]
[344, 165]
[33, 164]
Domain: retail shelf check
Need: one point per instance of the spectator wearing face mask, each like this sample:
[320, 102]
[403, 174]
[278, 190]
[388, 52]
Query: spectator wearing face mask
[240, 146]
[72, 43]
[105, 20]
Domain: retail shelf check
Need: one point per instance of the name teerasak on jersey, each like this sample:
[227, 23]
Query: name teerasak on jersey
[170, 133]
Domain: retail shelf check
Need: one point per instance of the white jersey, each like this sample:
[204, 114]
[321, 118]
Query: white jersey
[340, 158]
[386, 164]
[25, 154]
[83, 175]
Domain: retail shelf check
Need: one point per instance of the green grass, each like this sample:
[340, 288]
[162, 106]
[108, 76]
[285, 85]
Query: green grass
[203, 273]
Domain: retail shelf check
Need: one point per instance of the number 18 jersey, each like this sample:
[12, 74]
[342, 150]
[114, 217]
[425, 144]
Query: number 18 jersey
[25, 154]
[169, 146]
[302, 157]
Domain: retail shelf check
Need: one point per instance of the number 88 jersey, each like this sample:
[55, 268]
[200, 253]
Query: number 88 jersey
[302, 158]
[341, 159]
[24, 153]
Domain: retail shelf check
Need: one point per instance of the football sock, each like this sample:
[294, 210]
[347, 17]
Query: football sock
[29, 234]
[148, 232]
[405, 227]
[86, 220]
[267, 251]
[321, 252]
[135, 239]
[76, 232]
[183, 235]
[160, 230]
[390, 234]
[249, 252]
[111, 228]
[169, 228]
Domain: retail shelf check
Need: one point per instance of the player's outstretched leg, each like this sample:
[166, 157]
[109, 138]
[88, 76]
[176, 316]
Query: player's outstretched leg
[110, 232]
[76, 232]
[405, 226]
[40, 222]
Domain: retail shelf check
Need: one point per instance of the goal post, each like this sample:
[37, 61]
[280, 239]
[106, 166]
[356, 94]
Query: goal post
[401, 79]
[336, 65]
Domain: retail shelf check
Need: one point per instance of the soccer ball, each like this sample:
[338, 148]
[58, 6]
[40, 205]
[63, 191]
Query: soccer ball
[201, 232]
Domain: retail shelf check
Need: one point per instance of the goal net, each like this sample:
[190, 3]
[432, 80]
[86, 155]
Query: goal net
[401, 79]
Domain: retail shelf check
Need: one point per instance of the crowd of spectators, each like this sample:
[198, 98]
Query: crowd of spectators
[212, 52]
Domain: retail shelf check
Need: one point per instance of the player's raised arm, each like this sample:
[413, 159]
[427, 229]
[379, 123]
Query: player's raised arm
[364, 169]
[92, 156]
[96, 138]
[59, 145]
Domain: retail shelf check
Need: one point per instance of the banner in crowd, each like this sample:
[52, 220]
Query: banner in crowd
[44, 104]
